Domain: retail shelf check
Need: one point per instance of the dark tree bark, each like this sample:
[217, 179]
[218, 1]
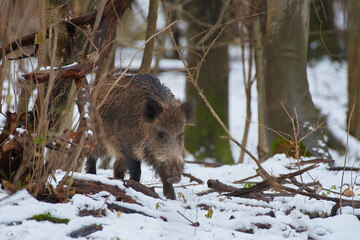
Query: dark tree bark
[213, 75]
[285, 80]
[353, 69]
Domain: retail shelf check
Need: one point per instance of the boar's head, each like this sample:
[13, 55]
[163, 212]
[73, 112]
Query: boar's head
[163, 146]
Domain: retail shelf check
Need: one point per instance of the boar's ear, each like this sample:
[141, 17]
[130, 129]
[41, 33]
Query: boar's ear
[188, 108]
[152, 109]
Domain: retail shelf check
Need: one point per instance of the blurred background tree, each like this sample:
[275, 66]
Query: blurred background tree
[205, 21]
[288, 107]
[353, 60]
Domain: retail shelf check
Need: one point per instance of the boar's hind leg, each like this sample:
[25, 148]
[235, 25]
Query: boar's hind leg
[91, 164]
[98, 152]
[134, 166]
[168, 188]
[119, 168]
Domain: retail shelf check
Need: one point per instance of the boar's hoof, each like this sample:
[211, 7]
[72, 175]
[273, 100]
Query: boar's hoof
[168, 191]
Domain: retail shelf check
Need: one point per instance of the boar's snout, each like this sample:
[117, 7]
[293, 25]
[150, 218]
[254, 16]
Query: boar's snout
[174, 179]
[175, 176]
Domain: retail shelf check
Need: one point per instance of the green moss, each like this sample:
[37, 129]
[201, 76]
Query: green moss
[280, 145]
[48, 217]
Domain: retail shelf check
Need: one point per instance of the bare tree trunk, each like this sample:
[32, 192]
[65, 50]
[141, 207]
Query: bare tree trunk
[353, 69]
[287, 96]
[151, 29]
[257, 37]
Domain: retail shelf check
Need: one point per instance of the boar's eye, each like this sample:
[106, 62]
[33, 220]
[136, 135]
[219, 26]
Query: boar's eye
[180, 136]
[161, 134]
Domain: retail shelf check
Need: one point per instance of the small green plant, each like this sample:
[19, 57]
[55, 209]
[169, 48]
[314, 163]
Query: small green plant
[49, 217]
[248, 184]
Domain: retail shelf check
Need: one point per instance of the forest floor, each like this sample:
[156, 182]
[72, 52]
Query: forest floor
[213, 215]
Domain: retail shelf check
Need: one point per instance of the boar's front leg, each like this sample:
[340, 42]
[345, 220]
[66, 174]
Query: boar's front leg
[168, 188]
[134, 166]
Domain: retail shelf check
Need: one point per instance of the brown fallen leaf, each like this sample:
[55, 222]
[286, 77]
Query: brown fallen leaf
[348, 192]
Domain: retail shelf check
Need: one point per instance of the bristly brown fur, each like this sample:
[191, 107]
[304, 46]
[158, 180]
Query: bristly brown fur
[140, 120]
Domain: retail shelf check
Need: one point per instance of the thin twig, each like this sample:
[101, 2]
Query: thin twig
[346, 151]
[195, 224]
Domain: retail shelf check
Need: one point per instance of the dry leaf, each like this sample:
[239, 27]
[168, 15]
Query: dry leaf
[348, 192]
[210, 213]
[93, 57]
[73, 191]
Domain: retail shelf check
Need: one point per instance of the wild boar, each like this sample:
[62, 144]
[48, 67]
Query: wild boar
[137, 119]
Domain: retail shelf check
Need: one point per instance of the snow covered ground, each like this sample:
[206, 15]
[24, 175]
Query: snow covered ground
[231, 218]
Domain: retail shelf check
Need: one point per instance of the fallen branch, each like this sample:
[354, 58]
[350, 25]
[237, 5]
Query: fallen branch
[344, 169]
[118, 208]
[269, 183]
[245, 179]
[206, 192]
[85, 231]
[76, 71]
[192, 178]
[140, 188]
[220, 187]
[258, 194]
[275, 183]
[353, 203]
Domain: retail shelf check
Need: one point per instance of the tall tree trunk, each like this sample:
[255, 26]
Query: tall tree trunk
[257, 37]
[204, 140]
[353, 69]
[285, 81]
